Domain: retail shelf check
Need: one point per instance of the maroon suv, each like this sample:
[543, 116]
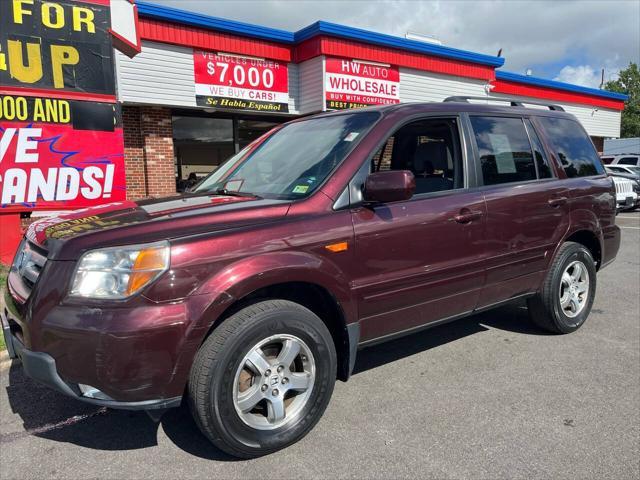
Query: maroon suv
[251, 294]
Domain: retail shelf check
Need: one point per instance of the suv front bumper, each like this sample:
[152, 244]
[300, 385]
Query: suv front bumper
[41, 367]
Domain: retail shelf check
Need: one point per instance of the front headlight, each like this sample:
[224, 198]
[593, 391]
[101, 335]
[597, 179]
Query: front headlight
[119, 272]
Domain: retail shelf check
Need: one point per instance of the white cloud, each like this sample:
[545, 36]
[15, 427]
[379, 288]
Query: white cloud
[544, 35]
[581, 75]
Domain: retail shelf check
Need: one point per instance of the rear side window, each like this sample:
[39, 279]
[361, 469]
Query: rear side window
[607, 160]
[575, 151]
[504, 150]
[628, 161]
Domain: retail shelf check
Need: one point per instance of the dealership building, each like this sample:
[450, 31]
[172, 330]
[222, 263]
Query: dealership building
[190, 90]
[196, 93]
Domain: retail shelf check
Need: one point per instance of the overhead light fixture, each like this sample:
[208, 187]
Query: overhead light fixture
[421, 37]
[366, 62]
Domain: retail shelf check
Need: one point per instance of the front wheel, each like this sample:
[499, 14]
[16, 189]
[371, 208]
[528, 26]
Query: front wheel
[263, 378]
[564, 301]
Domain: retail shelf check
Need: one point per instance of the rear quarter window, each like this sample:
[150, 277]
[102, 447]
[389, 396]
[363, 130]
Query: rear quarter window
[573, 147]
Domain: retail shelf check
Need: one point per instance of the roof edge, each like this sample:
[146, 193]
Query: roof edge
[553, 84]
[160, 12]
[382, 39]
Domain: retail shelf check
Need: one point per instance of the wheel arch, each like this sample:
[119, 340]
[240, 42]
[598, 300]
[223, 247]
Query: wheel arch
[589, 240]
[321, 302]
[309, 280]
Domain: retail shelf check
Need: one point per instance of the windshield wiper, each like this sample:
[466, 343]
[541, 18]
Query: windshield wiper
[233, 193]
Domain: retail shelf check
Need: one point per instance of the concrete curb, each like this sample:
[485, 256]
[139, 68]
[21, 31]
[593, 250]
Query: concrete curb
[5, 361]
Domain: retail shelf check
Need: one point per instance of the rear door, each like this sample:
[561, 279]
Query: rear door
[527, 207]
[421, 260]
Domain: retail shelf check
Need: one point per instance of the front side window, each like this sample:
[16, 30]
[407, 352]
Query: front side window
[294, 160]
[573, 146]
[504, 150]
[430, 149]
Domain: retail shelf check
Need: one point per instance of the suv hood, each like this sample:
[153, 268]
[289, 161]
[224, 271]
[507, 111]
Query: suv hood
[123, 223]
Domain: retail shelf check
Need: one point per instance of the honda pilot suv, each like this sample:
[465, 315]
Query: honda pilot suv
[250, 295]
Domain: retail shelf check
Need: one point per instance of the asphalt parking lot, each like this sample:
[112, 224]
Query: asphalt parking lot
[489, 396]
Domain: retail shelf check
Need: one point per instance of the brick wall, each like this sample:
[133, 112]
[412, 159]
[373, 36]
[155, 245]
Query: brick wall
[148, 151]
[598, 142]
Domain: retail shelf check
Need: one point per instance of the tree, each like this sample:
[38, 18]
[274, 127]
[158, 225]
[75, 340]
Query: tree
[628, 82]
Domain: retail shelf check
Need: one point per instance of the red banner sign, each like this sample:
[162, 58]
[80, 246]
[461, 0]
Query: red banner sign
[355, 84]
[240, 83]
[49, 160]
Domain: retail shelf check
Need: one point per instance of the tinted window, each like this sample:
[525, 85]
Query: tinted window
[628, 161]
[504, 150]
[430, 149]
[575, 151]
[542, 164]
[607, 160]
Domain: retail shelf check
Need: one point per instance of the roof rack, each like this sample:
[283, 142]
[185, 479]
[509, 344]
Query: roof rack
[512, 101]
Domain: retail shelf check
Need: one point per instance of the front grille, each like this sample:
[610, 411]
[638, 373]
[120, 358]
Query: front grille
[624, 186]
[29, 262]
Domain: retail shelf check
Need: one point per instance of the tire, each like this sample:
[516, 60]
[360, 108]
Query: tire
[223, 379]
[547, 308]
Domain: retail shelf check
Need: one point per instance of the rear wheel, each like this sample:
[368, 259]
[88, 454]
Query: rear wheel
[263, 378]
[563, 303]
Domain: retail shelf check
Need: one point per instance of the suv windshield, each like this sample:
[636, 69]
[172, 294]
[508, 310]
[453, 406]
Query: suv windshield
[294, 160]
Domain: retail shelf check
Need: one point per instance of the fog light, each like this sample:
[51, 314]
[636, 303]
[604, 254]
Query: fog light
[92, 392]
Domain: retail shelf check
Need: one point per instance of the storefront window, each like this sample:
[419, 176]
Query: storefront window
[249, 130]
[200, 145]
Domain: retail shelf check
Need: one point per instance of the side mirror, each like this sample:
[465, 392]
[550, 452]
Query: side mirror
[389, 186]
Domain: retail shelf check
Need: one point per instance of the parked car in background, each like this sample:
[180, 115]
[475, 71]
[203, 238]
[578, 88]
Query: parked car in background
[626, 171]
[251, 295]
[622, 159]
[626, 193]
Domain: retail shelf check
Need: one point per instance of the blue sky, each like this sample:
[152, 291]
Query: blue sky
[565, 40]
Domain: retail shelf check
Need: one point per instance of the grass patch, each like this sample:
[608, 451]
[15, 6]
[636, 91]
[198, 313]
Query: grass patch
[4, 271]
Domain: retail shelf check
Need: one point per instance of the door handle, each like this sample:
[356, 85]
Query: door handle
[557, 201]
[466, 216]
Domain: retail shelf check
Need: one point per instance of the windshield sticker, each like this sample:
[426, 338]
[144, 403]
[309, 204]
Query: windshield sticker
[300, 189]
[234, 185]
[351, 137]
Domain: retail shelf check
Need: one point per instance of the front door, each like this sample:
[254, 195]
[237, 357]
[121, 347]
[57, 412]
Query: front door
[421, 260]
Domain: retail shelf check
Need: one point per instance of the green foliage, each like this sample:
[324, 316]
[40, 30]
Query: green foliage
[628, 82]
